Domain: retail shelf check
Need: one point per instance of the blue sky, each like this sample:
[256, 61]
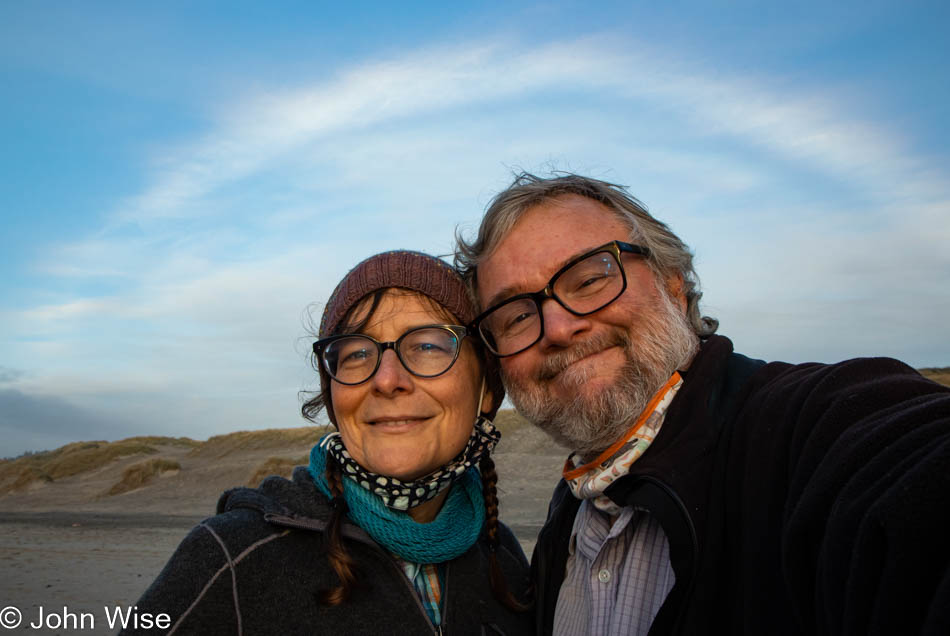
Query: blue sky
[181, 184]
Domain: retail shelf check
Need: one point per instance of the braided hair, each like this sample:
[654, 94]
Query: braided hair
[499, 585]
[340, 560]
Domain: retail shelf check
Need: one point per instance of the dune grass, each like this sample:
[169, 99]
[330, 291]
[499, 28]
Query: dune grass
[141, 473]
[28, 476]
[66, 461]
[941, 375]
[280, 466]
[94, 456]
[158, 440]
[222, 445]
[80, 457]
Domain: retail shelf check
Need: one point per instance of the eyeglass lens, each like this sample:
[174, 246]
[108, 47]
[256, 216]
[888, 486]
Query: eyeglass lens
[588, 285]
[424, 352]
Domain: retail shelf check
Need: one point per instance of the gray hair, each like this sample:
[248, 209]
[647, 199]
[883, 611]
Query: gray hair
[669, 256]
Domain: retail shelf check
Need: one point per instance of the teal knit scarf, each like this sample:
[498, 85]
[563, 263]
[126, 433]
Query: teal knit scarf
[454, 530]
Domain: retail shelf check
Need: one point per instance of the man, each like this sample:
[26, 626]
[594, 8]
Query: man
[707, 492]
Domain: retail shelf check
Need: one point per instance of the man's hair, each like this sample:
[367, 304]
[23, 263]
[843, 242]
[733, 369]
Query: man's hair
[669, 256]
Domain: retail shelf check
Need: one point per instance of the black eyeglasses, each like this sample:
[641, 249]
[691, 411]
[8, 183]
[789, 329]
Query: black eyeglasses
[425, 351]
[587, 284]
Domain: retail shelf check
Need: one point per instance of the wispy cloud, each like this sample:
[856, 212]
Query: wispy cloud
[807, 125]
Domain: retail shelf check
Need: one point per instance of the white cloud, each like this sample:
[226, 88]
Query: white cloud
[804, 125]
[71, 310]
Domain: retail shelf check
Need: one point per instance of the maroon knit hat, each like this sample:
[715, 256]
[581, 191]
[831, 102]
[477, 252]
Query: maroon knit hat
[415, 271]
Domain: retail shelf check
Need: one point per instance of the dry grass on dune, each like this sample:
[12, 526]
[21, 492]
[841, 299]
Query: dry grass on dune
[27, 471]
[940, 375]
[94, 455]
[222, 445]
[280, 466]
[183, 442]
[66, 461]
[27, 476]
[141, 473]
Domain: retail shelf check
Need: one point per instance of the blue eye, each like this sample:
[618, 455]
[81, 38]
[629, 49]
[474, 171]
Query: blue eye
[351, 353]
[432, 346]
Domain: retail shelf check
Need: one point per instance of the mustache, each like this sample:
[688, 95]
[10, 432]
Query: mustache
[555, 363]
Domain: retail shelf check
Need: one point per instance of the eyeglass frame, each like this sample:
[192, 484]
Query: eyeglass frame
[616, 248]
[459, 331]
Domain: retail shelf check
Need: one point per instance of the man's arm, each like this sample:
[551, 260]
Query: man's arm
[865, 449]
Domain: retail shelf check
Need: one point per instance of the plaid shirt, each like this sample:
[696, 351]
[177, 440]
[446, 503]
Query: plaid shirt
[617, 575]
[427, 579]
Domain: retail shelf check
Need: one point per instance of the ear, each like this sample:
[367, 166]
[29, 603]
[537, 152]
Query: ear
[487, 402]
[676, 288]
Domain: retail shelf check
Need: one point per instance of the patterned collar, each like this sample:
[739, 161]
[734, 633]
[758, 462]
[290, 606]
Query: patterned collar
[589, 481]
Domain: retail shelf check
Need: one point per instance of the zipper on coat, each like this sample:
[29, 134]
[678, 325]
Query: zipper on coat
[436, 629]
[694, 539]
[443, 611]
[539, 586]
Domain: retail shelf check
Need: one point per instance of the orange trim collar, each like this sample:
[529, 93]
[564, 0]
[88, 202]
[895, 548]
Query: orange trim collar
[574, 473]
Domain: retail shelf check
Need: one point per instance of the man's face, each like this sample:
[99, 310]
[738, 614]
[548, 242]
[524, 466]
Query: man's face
[590, 376]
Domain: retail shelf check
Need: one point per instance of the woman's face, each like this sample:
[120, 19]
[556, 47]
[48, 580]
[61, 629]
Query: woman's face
[398, 424]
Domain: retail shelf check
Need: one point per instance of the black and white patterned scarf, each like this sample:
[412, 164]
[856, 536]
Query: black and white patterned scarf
[403, 495]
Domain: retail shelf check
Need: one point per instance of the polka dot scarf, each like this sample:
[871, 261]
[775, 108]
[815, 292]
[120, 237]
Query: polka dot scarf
[453, 531]
[403, 495]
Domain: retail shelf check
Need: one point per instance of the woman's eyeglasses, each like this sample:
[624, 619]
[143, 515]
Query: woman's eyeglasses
[425, 351]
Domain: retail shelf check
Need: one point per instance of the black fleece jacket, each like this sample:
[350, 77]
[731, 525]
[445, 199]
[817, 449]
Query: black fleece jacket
[797, 499]
[258, 566]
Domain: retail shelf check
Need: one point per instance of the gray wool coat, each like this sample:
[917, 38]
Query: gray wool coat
[258, 566]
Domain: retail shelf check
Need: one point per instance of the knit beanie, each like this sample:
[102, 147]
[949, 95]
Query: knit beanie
[417, 272]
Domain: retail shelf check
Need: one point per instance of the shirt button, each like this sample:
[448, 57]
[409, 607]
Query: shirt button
[603, 576]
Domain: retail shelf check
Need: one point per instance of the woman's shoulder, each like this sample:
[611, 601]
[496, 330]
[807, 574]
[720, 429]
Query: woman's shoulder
[508, 543]
[252, 540]
[249, 520]
[246, 515]
[275, 495]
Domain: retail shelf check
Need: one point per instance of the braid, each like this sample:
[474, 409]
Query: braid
[340, 560]
[498, 584]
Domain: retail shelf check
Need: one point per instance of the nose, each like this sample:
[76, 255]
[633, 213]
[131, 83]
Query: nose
[561, 327]
[391, 377]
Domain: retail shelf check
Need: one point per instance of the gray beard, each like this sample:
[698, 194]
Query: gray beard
[589, 424]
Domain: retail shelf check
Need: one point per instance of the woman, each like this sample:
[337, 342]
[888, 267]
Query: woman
[391, 529]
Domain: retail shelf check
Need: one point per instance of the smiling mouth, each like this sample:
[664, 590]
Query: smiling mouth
[397, 422]
[563, 365]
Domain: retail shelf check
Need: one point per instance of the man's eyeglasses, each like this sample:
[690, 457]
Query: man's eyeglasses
[587, 284]
[425, 351]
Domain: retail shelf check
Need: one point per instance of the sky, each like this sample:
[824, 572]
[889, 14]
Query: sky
[183, 184]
